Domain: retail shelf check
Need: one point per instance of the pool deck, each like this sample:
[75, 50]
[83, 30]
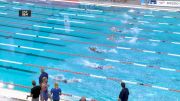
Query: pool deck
[14, 95]
[121, 4]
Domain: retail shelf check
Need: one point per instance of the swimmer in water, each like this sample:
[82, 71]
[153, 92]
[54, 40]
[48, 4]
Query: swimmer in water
[103, 67]
[95, 65]
[114, 29]
[61, 78]
[111, 37]
[94, 49]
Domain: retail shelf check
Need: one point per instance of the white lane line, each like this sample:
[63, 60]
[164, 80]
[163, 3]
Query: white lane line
[123, 48]
[77, 9]
[167, 17]
[149, 15]
[90, 16]
[157, 31]
[16, 8]
[77, 22]
[49, 38]
[163, 23]
[143, 21]
[96, 76]
[29, 3]
[168, 69]
[154, 40]
[67, 14]
[163, 88]
[55, 19]
[3, 13]
[32, 48]
[176, 43]
[2, 6]
[64, 20]
[26, 34]
[176, 32]
[177, 55]
[42, 26]
[3, 44]
[141, 65]
[38, 36]
[147, 51]
[130, 82]
[14, 62]
[110, 60]
[16, 2]
[137, 29]
[63, 29]
[91, 10]
[128, 37]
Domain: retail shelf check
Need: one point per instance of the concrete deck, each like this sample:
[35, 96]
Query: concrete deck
[14, 95]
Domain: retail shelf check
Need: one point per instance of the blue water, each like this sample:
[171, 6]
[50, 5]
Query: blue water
[94, 27]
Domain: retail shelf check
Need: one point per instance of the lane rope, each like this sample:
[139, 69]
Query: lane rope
[91, 57]
[95, 76]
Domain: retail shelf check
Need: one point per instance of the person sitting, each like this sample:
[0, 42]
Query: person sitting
[83, 99]
[43, 74]
[123, 96]
[35, 92]
[55, 92]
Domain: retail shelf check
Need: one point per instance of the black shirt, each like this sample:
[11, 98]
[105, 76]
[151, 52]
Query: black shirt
[124, 94]
[35, 91]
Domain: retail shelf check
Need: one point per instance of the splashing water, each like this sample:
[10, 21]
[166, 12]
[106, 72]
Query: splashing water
[135, 30]
[113, 51]
[90, 64]
[131, 11]
[133, 40]
[126, 16]
[66, 23]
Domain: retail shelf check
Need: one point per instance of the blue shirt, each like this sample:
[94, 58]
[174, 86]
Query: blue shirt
[56, 93]
[44, 74]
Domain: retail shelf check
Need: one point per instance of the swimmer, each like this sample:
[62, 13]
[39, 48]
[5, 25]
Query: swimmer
[61, 78]
[114, 29]
[111, 37]
[94, 49]
[95, 65]
[103, 67]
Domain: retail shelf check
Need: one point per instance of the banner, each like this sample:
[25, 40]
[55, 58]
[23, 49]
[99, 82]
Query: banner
[173, 3]
[148, 2]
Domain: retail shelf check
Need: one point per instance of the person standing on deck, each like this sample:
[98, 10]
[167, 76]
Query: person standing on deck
[35, 92]
[56, 92]
[43, 74]
[44, 89]
[123, 96]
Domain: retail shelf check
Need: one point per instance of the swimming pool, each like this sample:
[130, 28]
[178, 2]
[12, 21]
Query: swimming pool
[145, 54]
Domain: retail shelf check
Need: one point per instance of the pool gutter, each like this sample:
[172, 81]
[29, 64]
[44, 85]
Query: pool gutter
[112, 4]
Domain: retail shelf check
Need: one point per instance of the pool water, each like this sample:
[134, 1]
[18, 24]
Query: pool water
[145, 51]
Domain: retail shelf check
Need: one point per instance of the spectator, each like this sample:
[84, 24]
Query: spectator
[35, 92]
[123, 96]
[43, 74]
[83, 99]
[56, 92]
[44, 89]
